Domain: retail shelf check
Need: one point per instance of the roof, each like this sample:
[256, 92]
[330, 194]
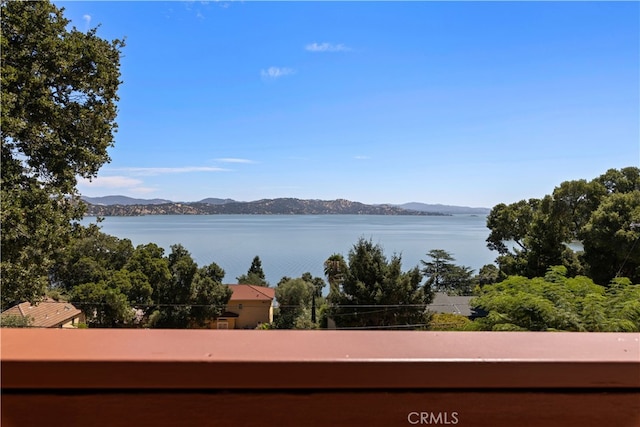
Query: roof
[252, 293]
[46, 314]
[443, 303]
[227, 314]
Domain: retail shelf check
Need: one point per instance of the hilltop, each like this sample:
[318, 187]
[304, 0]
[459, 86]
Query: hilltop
[125, 206]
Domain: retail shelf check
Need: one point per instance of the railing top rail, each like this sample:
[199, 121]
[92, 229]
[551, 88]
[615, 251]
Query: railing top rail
[36, 358]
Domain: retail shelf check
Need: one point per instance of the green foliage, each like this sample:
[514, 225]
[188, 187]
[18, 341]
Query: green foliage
[90, 256]
[317, 282]
[377, 293]
[488, 274]
[299, 302]
[59, 93]
[255, 275]
[530, 236]
[105, 303]
[294, 298]
[193, 296]
[15, 321]
[150, 260]
[265, 326]
[210, 295]
[107, 278]
[445, 276]
[118, 286]
[556, 302]
[448, 322]
[610, 243]
[256, 267]
[335, 268]
[174, 298]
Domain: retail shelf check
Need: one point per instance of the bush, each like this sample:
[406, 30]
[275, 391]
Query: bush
[448, 322]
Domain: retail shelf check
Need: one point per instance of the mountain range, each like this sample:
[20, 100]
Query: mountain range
[127, 206]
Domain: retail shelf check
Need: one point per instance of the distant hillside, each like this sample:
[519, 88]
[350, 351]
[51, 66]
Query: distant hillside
[285, 206]
[448, 209]
[214, 201]
[123, 200]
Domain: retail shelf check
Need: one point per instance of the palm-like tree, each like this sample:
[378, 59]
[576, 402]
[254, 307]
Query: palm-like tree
[335, 268]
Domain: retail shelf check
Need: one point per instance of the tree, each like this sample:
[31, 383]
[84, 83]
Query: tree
[175, 297]
[335, 268]
[488, 274]
[256, 267]
[193, 296]
[317, 284]
[611, 238]
[255, 274]
[445, 276]
[556, 302]
[149, 260]
[530, 236]
[509, 224]
[377, 293]
[625, 180]
[437, 269]
[575, 200]
[106, 303]
[59, 94]
[90, 256]
[210, 296]
[294, 298]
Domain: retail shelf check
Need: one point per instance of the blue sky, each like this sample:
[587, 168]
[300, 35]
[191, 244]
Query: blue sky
[379, 102]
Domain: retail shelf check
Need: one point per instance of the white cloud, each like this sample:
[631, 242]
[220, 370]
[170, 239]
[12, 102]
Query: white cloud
[234, 160]
[276, 72]
[362, 157]
[87, 21]
[326, 47]
[110, 182]
[123, 184]
[164, 171]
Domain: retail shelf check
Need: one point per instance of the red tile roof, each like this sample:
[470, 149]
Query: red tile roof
[45, 314]
[252, 293]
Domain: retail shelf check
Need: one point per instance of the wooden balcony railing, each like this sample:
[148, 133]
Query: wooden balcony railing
[318, 378]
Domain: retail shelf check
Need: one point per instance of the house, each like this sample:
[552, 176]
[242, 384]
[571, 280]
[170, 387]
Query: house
[443, 303]
[248, 308]
[48, 314]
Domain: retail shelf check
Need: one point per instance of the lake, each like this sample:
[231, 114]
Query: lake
[290, 245]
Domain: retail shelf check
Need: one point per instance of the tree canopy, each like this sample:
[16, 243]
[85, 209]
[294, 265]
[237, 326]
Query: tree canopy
[59, 94]
[128, 287]
[556, 302]
[255, 274]
[590, 227]
[294, 298]
[445, 276]
[377, 293]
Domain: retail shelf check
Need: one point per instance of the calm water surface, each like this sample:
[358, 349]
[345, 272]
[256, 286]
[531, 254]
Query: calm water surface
[290, 245]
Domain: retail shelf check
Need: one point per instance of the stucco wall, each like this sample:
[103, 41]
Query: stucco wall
[251, 313]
